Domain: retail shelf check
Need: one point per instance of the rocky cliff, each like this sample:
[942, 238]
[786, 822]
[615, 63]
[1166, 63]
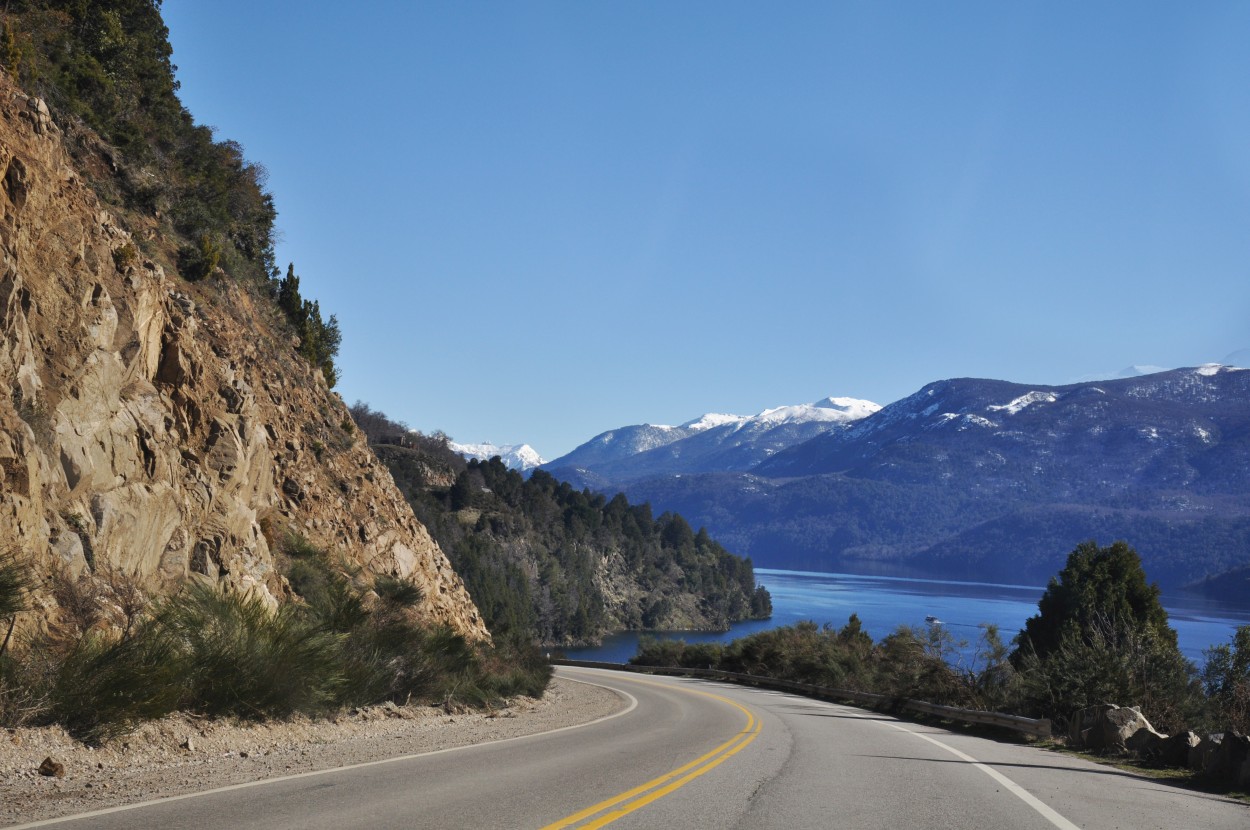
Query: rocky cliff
[162, 428]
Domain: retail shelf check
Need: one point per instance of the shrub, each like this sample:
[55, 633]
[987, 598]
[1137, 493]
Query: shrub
[113, 662]
[1226, 680]
[243, 659]
[515, 667]
[125, 256]
[105, 686]
[14, 587]
[1112, 661]
[198, 261]
[399, 592]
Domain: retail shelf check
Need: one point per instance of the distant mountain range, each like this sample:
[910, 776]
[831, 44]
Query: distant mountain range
[710, 443]
[977, 479]
[520, 457]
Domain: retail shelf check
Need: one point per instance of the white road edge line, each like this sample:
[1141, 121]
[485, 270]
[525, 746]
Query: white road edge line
[633, 704]
[1012, 787]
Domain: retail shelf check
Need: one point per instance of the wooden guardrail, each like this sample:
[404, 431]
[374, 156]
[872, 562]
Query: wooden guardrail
[1029, 726]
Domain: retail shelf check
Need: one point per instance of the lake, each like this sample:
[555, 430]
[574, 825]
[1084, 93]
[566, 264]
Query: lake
[883, 603]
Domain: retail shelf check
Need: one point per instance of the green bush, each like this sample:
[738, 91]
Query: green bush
[514, 667]
[115, 664]
[104, 687]
[1112, 661]
[125, 256]
[240, 658]
[14, 587]
[1226, 680]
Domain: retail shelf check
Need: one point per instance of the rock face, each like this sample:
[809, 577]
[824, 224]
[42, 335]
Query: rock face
[162, 428]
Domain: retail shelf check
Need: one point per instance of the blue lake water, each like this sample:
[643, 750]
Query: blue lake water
[884, 603]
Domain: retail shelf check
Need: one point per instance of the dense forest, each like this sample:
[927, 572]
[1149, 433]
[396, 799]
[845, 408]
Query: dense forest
[559, 565]
[106, 65]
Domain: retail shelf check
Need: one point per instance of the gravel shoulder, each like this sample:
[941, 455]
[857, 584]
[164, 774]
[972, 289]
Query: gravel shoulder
[183, 754]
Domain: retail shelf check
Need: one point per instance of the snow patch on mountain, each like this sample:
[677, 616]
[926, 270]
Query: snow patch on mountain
[521, 457]
[712, 420]
[1023, 401]
[835, 410]
[831, 410]
[1211, 369]
[714, 441]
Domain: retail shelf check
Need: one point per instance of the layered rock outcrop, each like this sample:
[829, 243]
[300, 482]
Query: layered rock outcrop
[162, 428]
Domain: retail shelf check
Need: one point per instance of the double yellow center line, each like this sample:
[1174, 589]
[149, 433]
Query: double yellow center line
[608, 811]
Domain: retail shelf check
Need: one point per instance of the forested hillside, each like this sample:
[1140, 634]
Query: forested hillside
[560, 565]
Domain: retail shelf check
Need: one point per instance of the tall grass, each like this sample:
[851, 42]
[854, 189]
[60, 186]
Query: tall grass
[14, 586]
[229, 654]
[239, 658]
[104, 687]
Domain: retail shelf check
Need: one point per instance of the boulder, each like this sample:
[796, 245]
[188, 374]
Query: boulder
[1148, 745]
[1202, 753]
[1112, 729]
[1227, 762]
[1176, 750]
[1083, 719]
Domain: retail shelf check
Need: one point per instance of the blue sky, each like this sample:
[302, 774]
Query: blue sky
[539, 221]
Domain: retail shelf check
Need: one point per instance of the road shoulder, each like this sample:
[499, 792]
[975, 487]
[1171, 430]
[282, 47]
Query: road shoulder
[182, 754]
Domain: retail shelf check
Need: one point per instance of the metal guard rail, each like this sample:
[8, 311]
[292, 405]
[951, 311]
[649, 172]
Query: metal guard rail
[1029, 726]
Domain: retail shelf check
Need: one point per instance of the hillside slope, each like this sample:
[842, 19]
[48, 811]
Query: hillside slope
[550, 563]
[165, 428]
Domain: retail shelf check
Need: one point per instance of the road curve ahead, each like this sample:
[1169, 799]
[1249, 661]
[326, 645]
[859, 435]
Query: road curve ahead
[691, 754]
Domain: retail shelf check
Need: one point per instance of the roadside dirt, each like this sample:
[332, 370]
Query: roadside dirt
[182, 754]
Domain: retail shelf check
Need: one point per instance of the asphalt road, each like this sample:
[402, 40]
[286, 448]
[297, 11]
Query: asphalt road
[689, 754]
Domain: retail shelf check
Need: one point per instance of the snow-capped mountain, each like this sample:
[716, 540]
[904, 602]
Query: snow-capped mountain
[1124, 433]
[991, 480]
[711, 442]
[521, 457]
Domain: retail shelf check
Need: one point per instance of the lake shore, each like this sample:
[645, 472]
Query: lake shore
[885, 602]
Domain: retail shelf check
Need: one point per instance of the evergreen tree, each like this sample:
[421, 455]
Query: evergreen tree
[1101, 635]
[1096, 585]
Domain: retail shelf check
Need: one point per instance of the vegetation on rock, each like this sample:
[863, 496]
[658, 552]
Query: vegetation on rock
[108, 64]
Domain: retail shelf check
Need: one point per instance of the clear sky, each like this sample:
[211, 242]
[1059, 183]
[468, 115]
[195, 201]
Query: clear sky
[538, 221]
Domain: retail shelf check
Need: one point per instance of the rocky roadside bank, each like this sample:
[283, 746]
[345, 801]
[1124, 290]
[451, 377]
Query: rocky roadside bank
[182, 754]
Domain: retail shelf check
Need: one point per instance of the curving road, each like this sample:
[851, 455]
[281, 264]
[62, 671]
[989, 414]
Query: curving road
[690, 754]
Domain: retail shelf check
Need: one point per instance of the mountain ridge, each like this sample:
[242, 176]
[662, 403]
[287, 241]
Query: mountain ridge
[520, 457]
[969, 477]
[709, 443]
